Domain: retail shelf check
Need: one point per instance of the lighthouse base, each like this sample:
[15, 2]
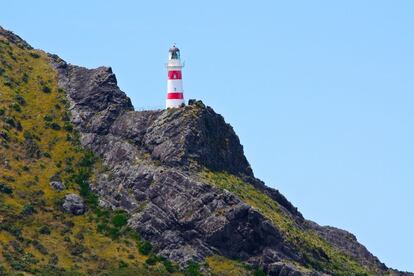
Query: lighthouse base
[174, 103]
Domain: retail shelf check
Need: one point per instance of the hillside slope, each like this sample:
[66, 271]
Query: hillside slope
[178, 177]
[42, 161]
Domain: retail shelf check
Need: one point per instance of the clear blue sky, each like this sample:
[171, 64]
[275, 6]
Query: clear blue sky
[319, 92]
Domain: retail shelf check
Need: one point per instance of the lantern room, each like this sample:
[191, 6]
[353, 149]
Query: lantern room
[174, 53]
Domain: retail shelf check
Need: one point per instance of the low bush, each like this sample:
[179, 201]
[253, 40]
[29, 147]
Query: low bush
[193, 270]
[145, 248]
[28, 210]
[44, 230]
[5, 189]
[46, 89]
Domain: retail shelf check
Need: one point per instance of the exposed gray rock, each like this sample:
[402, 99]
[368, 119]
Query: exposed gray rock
[74, 204]
[57, 185]
[152, 158]
[15, 39]
[347, 242]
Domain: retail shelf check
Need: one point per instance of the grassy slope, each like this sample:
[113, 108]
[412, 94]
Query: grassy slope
[308, 243]
[36, 143]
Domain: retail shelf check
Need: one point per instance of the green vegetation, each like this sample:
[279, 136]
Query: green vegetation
[308, 243]
[145, 248]
[37, 144]
[193, 270]
[223, 266]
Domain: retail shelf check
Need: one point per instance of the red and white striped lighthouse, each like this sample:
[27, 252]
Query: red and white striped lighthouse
[175, 94]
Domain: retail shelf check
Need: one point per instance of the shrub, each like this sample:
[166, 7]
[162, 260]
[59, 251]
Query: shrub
[259, 272]
[34, 55]
[5, 189]
[40, 247]
[120, 220]
[145, 248]
[77, 249]
[19, 126]
[7, 81]
[46, 89]
[44, 230]
[48, 118]
[25, 78]
[28, 210]
[168, 266]
[2, 111]
[122, 264]
[4, 135]
[87, 160]
[9, 178]
[54, 259]
[193, 270]
[68, 127]
[152, 260]
[19, 98]
[10, 121]
[55, 126]
[16, 107]
[12, 229]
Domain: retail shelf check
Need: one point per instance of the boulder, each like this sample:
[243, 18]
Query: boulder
[57, 185]
[74, 204]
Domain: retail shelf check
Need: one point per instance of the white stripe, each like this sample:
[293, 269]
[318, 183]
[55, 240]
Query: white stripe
[175, 86]
[174, 103]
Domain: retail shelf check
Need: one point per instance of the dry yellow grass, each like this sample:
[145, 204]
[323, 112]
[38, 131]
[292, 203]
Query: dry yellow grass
[27, 74]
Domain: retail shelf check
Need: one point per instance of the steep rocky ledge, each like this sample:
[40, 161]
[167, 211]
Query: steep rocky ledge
[153, 160]
[182, 176]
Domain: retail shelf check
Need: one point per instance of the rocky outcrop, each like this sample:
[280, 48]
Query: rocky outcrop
[347, 242]
[151, 158]
[15, 39]
[57, 185]
[73, 204]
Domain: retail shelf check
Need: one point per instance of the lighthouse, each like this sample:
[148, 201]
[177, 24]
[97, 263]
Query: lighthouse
[175, 94]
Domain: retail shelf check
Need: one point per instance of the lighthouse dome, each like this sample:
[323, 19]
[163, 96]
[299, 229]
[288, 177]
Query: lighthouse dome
[174, 53]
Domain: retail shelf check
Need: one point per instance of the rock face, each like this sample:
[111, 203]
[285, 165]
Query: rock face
[152, 169]
[73, 204]
[151, 159]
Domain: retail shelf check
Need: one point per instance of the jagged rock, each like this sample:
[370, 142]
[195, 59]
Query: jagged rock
[57, 185]
[74, 204]
[152, 159]
[13, 38]
[347, 242]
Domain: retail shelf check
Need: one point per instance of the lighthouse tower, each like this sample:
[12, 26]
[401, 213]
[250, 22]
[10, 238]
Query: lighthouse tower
[175, 95]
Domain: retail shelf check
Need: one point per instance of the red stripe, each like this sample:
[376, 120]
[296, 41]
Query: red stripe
[174, 95]
[174, 75]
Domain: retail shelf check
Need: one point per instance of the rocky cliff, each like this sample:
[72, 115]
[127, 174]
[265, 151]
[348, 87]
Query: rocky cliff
[154, 162]
[182, 176]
